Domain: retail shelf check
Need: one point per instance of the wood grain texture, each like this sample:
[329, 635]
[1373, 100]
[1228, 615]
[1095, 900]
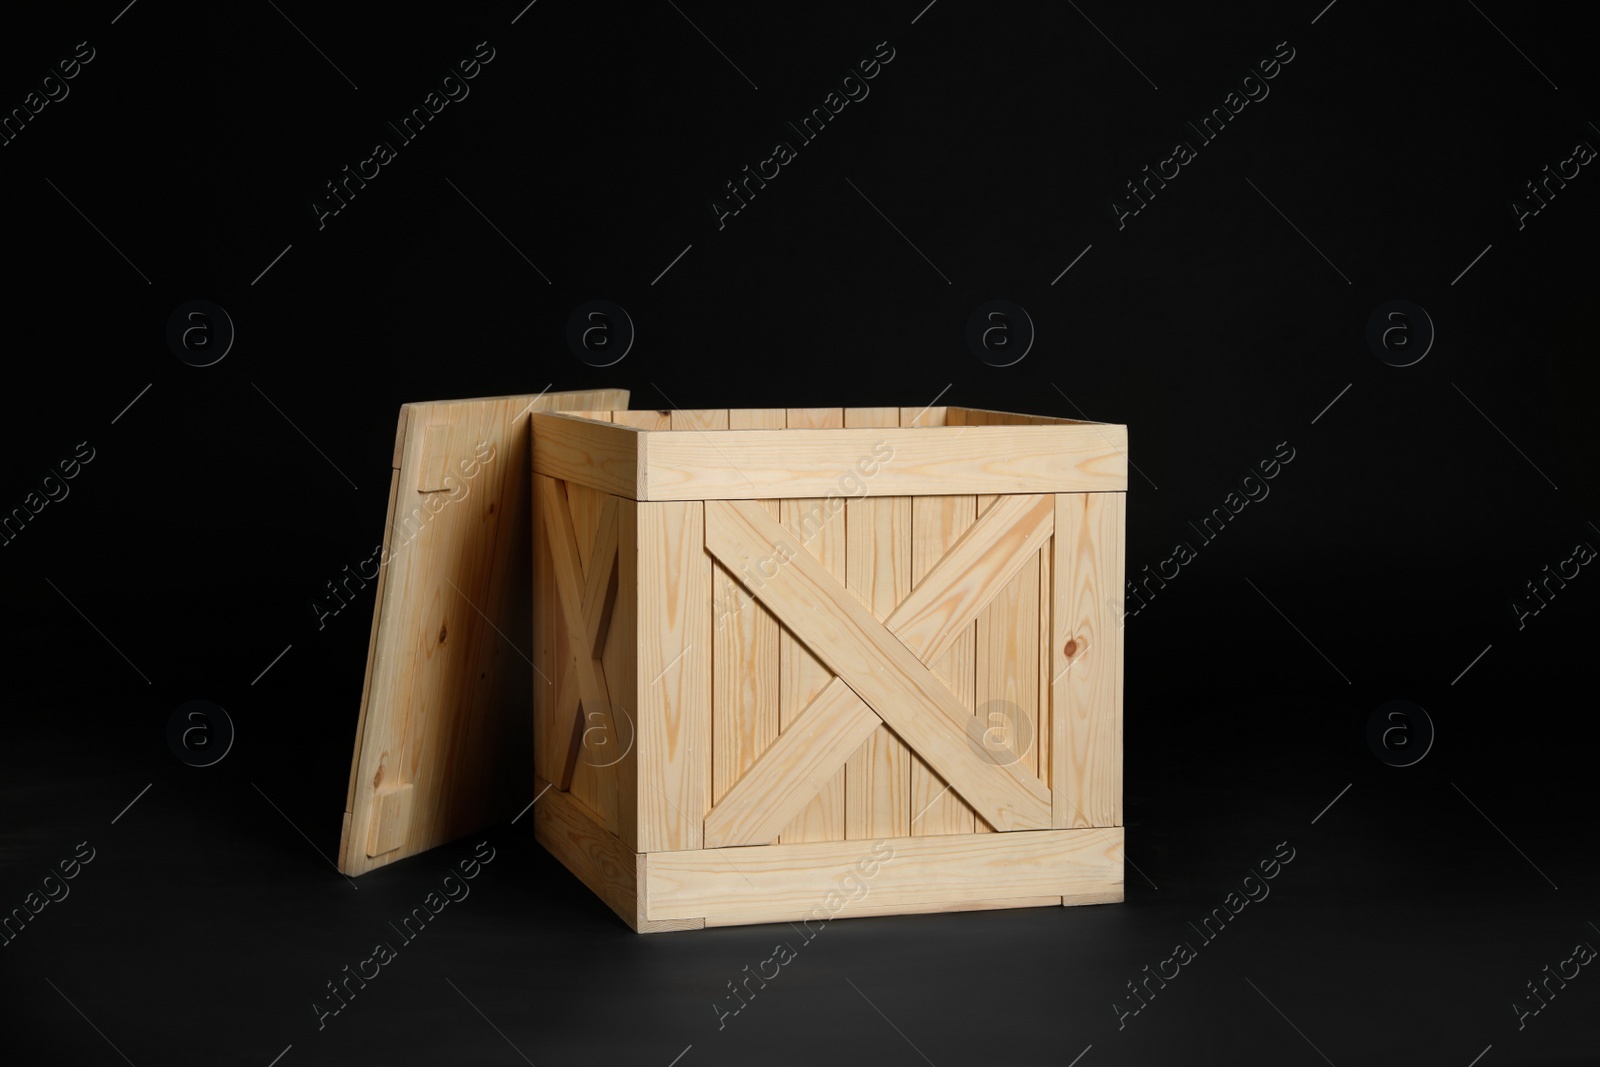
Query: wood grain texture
[819, 529]
[814, 880]
[391, 819]
[964, 416]
[581, 618]
[832, 729]
[1044, 725]
[927, 623]
[700, 419]
[877, 777]
[449, 680]
[815, 418]
[745, 655]
[869, 909]
[612, 871]
[745, 676]
[372, 642]
[873, 662]
[925, 461]
[924, 416]
[601, 455]
[757, 418]
[1007, 682]
[674, 684]
[1086, 689]
[937, 522]
[643, 420]
[621, 661]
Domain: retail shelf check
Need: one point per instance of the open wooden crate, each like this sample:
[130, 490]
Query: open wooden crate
[802, 664]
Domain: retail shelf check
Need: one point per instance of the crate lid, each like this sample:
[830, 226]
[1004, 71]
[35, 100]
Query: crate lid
[443, 745]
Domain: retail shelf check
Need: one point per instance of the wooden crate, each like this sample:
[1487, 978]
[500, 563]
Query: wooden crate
[801, 664]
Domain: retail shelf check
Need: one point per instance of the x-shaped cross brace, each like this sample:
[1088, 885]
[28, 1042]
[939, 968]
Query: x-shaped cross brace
[880, 668]
[587, 614]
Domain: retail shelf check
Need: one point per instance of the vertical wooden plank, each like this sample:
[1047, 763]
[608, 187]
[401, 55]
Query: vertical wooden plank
[861, 417]
[700, 419]
[549, 650]
[674, 679]
[936, 523]
[815, 418]
[621, 662]
[1043, 723]
[820, 532]
[1086, 640]
[1008, 663]
[745, 655]
[757, 418]
[877, 779]
[928, 416]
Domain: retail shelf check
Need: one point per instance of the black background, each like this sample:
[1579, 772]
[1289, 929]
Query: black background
[1386, 558]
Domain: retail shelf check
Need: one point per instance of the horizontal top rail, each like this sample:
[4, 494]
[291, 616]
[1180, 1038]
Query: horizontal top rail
[748, 453]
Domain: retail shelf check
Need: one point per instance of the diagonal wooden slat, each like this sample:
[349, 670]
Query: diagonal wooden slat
[884, 664]
[583, 614]
[600, 583]
[567, 710]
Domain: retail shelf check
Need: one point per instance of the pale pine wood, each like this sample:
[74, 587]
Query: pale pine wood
[621, 661]
[869, 909]
[594, 778]
[982, 561]
[819, 530]
[611, 870]
[929, 416]
[937, 522]
[391, 819]
[882, 611]
[579, 618]
[745, 656]
[554, 704]
[440, 445]
[897, 686]
[757, 418]
[1008, 664]
[601, 455]
[674, 681]
[980, 629]
[1109, 895]
[877, 778]
[833, 728]
[805, 881]
[989, 417]
[1044, 725]
[744, 695]
[1087, 683]
[600, 573]
[931, 619]
[584, 505]
[815, 418]
[372, 641]
[700, 419]
[643, 420]
[926, 460]
[444, 705]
